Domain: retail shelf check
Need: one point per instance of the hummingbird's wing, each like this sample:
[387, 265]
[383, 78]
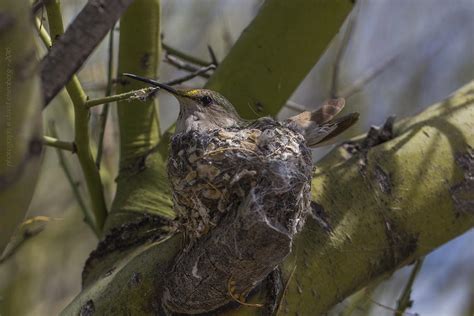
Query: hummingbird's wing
[317, 136]
[318, 126]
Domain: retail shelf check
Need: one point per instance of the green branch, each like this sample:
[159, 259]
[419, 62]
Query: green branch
[56, 143]
[271, 58]
[140, 94]
[81, 129]
[88, 215]
[20, 121]
[108, 91]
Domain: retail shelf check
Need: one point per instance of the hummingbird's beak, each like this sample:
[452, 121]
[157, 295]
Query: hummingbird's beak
[154, 83]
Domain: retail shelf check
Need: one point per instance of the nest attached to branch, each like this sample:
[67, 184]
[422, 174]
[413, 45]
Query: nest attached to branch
[241, 195]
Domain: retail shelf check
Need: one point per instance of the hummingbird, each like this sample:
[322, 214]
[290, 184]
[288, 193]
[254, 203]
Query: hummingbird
[208, 164]
[241, 190]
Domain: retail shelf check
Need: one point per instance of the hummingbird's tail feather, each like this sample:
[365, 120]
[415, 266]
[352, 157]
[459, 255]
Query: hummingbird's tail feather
[328, 110]
[324, 135]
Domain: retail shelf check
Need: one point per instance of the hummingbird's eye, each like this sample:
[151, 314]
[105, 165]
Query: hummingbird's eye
[206, 100]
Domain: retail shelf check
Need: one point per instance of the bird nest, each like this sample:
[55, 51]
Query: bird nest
[212, 173]
[241, 195]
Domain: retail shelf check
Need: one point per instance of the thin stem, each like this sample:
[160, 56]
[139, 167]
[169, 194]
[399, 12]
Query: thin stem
[179, 64]
[140, 94]
[108, 91]
[213, 55]
[346, 38]
[78, 97]
[56, 143]
[181, 55]
[27, 235]
[192, 75]
[88, 215]
[43, 34]
[404, 302]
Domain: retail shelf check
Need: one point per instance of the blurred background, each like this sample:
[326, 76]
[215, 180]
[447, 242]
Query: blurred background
[421, 51]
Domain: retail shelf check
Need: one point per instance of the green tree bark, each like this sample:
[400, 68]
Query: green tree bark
[20, 119]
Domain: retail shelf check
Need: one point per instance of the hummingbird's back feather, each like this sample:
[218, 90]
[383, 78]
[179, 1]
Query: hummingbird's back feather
[328, 110]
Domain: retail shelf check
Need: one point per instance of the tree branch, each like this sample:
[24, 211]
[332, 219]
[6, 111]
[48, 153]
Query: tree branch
[72, 49]
[98, 213]
[20, 119]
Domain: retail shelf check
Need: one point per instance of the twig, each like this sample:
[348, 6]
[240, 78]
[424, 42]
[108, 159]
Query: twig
[39, 218]
[181, 55]
[43, 34]
[341, 52]
[213, 55]
[27, 235]
[405, 302]
[192, 75]
[59, 144]
[37, 6]
[182, 65]
[362, 81]
[397, 313]
[77, 43]
[89, 217]
[295, 106]
[108, 91]
[141, 94]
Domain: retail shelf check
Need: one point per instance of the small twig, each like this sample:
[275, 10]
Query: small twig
[59, 144]
[397, 313]
[358, 84]
[39, 218]
[295, 106]
[181, 55]
[346, 37]
[213, 55]
[141, 94]
[172, 60]
[405, 302]
[37, 6]
[231, 289]
[108, 91]
[192, 75]
[75, 190]
[27, 235]
[285, 289]
[43, 34]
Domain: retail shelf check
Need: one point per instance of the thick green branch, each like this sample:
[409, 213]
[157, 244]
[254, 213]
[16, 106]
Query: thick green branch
[20, 121]
[272, 57]
[98, 213]
[385, 206]
[60, 144]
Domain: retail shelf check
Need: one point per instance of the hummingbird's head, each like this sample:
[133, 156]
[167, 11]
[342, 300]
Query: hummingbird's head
[200, 109]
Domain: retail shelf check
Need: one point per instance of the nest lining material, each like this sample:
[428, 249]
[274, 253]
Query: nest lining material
[241, 195]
